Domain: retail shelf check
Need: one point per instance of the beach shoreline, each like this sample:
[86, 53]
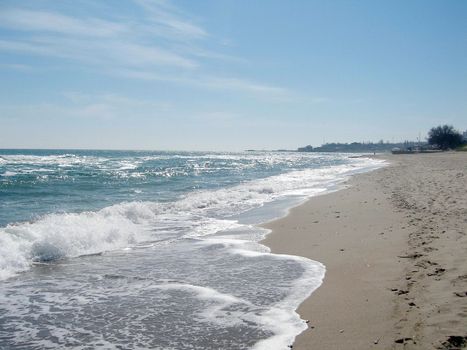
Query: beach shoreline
[393, 243]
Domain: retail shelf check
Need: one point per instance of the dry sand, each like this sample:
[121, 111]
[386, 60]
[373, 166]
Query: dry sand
[395, 248]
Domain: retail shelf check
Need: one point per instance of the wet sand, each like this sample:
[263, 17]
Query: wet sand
[395, 248]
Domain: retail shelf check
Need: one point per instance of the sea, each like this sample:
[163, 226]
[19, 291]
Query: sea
[155, 250]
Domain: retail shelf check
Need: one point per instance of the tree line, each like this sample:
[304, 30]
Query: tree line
[445, 137]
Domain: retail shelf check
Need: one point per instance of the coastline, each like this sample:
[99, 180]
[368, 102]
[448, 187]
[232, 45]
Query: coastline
[394, 245]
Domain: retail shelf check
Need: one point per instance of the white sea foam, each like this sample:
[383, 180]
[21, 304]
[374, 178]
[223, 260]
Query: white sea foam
[137, 225]
[282, 318]
[215, 312]
[279, 318]
[197, 214]
[62, 159]
[65, 235]
[9, 173]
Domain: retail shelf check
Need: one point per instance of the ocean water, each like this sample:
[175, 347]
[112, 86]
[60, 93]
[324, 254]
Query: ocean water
[159, 250]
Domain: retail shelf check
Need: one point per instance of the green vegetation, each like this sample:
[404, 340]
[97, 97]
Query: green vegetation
[439, 138]
[444, 137]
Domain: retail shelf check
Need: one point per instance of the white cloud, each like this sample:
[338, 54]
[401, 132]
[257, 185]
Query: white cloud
[112, 52]
[162, 45]
[26, 47]
[43, 21]
[127, 42]
[90, 40]
[209, 82]
[168, 20]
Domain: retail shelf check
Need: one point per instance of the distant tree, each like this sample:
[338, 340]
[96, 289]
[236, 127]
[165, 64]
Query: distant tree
[444, 136]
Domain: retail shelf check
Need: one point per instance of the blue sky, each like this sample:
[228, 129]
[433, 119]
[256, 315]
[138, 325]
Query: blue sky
[228, 74]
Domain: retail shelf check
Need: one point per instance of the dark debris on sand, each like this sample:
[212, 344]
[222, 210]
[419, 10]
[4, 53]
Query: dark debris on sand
[454, 342]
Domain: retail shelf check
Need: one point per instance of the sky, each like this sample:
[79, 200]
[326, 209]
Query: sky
[228, 75]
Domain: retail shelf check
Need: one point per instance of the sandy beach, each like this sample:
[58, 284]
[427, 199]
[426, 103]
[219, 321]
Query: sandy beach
[394, 243]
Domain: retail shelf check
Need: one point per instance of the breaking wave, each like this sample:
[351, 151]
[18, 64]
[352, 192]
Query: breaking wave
[196, 214]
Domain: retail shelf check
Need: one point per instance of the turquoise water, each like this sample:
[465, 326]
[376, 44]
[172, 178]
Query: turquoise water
[37, 182]
[126, 249]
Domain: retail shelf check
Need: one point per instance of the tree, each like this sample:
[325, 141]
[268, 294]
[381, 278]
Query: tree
[444, 136]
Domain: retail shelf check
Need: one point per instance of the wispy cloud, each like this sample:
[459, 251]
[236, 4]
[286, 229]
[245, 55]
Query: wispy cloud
[241, 84]
[16, 66]
[115, 53]
[52, 22]
[83, 106]
[89, 40]
[209, 82]
[161, 44]
[168, 20]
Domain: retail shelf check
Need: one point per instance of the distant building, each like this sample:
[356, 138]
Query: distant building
[464, 136]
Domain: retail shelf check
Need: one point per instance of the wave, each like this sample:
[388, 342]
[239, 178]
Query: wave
[197, 214]
[57, 236]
